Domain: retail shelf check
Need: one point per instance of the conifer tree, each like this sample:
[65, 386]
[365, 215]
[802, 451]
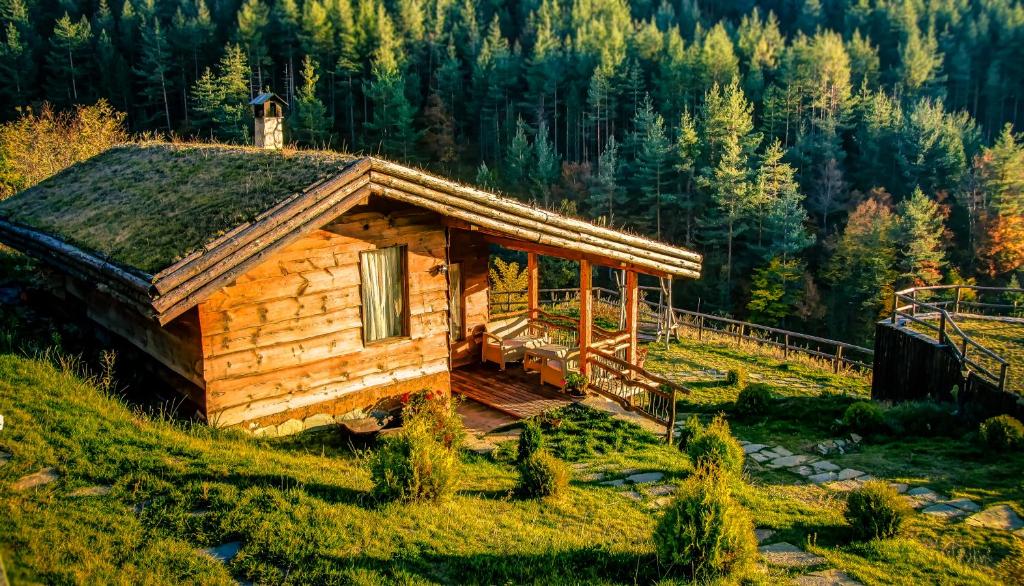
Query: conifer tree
[67, 62]
[652, 175]
[776, 289]
[546, 164]
[518, 157]
[310, 123]
[153, 72]
[221, 101]
[251, 33]
[18, 40]
[779, 210]
[606, 191]
[1000, 243]
[391, 124]
[687, 153]
[919, 238]
[920, 70]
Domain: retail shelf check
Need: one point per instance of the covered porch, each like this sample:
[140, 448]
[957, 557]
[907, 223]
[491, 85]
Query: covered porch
[519, 358]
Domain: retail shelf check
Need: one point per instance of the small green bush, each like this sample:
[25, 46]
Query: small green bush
[705, 534]
[921, 418]
[530, 440]
[543, 475]
[1002, 433]
[420, 462]
[736, 377]
[863, 417]
[754, 399]
[875, 510]
[716, 446]
[690, 429]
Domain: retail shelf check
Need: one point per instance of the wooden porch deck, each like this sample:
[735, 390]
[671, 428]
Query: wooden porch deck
[513, 391]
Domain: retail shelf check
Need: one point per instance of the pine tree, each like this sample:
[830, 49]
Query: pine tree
[546, 163]
[221, 101]
[310, 124]
[253, 24]
[729, 187]
[18, 40]
[153, 72]
[605, 190]
[439, 135]
[67, 62]
[920, 240]
[779, 207]
[687, 153]
[920, 71]
[776, 289]
[652, 169]
[518, 158]
[1000, 171]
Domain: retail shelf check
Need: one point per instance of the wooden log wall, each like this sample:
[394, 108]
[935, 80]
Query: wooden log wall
[911, 367]
[471, 250]
[286, 337]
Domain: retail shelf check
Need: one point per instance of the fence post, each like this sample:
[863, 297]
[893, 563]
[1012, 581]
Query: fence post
[836, 359]
[942, 327]
[895, 306]
[1002, 376]
[672, 416]
[956, 306]
[785, 346]
[913, 306]
[700, 328]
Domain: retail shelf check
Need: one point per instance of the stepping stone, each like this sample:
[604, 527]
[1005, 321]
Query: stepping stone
[997, 517]
[645, 477]
[787, 461]
[581, 465]
[4, 459]
[224, 552]
[759, 457]
[99, 490]
[964, 504]
[855, 438]
[782, 451]
[617, 482]
[660, 502]
[943, 511]
[763, 535]
[802, 470]
[923, 496]
[751, 448]
[826, 578]
[788, 555]
[900, 487]
[634, 495]
[662, 490]
[823, 477]
[825, 466]
[743, 442]
[593, 477]
[849, 474]
[864, 478]
[44, 476]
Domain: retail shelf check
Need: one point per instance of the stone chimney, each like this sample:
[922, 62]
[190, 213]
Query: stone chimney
[268, 114]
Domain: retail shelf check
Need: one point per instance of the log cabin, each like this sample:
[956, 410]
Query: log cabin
[283, 284]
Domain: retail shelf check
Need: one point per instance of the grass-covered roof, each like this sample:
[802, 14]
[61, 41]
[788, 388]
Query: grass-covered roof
[148, 205]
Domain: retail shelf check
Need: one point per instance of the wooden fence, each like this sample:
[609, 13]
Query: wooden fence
[925, 307]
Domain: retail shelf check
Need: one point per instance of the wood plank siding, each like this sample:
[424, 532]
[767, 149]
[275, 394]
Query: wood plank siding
[287, 335]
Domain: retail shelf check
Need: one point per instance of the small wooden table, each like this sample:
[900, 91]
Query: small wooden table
[533, 358]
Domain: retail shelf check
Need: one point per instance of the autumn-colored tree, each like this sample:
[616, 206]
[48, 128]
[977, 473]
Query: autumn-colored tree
[1000, 169]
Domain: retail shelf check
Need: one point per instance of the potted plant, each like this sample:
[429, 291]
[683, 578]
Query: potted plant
[574, 384]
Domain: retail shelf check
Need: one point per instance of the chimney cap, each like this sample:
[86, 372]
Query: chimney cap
[267, 97]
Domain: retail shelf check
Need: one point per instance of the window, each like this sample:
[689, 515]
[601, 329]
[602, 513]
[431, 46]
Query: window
[455, 312]
[384, 294]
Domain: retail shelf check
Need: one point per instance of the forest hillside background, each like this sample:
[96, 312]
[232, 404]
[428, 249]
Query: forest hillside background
[819, 153]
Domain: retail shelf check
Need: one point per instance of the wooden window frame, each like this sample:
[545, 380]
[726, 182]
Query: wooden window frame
[406, 310]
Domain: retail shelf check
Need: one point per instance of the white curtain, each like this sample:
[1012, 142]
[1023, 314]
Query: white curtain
[382, 273]
[455, 301]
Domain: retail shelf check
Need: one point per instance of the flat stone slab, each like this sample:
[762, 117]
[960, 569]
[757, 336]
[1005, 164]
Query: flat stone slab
[849, 474]
[844, 485]
[923, 496]
[782, 451]
[224, 552]
[997, 517]
[900, 487]
[823, 477]
[4, 459]
[826, 578]
[617, 482]
[44, 476]
[943, 511]
[633, 495]
[802, 470]
[645, 477]
[99, 490]
[788, 555]
[788, 461]
[751, 448]
[920, 491]
[964, 504]
[759, 457]
[763, 535]
[825, 466]
[662, 490]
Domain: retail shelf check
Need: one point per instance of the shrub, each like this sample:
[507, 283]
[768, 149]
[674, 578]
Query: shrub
[921, 418]
[754, 399]
[736, 377]
[690, 429]
[530, 440]
[875, 510]
[863, 417]
[543, 475]
[420, 461]
[1002, 433]
[715, 446]
[704, 533]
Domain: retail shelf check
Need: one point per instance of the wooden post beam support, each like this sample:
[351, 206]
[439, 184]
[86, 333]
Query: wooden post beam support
[532, 284]
[632, 313]
[586, 316]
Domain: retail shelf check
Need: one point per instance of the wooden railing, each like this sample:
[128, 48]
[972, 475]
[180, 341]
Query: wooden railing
[907, 306]
[634, 388]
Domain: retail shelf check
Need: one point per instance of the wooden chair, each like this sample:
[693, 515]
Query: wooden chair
[554, 370]
[506, 340]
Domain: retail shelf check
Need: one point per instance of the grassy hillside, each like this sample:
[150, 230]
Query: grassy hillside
[301, 509]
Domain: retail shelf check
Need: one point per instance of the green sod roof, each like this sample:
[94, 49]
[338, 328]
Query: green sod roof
[146, 206]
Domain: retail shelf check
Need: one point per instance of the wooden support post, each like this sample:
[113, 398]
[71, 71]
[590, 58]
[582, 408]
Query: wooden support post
[956, 308]
[838, 359]
[670, 314]
[532, 284]
[785, 346]
[586, 316]
[632, 308]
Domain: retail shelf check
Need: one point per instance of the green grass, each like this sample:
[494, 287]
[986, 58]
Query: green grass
[148, 205]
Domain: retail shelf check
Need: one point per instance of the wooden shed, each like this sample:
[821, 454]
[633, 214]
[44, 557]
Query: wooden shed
[282, 284]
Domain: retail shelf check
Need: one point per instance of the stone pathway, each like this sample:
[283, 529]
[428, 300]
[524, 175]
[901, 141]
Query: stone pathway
[224, 552]
[36, 479]
[787, 555]
[87, 491]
